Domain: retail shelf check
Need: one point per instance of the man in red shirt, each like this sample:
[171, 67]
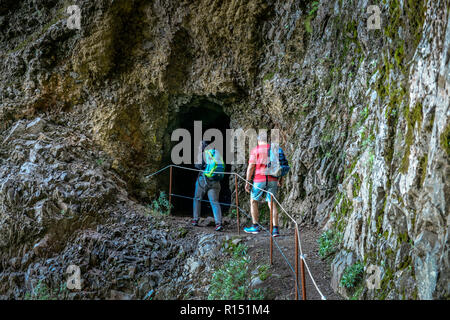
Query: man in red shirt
[262, 185]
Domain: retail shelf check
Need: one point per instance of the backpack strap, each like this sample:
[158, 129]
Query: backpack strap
[213, 169]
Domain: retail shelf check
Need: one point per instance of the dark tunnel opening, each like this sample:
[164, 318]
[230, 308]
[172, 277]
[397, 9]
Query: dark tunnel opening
[211, 116]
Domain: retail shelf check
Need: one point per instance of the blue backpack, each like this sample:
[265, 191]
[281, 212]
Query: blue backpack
[277, 164]
[214, 165]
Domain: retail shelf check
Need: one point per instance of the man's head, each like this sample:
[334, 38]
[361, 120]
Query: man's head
[262, 137]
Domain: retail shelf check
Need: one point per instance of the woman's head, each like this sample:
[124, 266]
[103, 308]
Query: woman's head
[203, 145]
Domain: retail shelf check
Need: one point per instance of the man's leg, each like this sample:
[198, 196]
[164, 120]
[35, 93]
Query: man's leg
[254, 228]
[273, 188]
[254, 210]
[275, 213]
[255, 195]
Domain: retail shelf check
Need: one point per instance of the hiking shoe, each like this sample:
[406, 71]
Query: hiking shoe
[275, 231]
[253, 229]
[219, 227]
[195, 223]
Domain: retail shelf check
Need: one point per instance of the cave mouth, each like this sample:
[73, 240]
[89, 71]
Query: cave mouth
[212, 116]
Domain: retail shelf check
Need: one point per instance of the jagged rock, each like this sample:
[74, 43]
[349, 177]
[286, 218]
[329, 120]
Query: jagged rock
[117, 295]
[209, 222]
[342, 260]
[256, 282]
[17, 129]
[236, 241]
[36, 126]
[192, 266]
[41, 247]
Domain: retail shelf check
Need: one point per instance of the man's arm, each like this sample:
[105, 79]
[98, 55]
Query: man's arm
[250, 170]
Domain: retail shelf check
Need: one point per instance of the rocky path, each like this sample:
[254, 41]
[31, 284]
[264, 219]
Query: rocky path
[281, 281]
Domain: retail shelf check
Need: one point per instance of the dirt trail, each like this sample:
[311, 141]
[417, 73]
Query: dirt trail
[281, 281]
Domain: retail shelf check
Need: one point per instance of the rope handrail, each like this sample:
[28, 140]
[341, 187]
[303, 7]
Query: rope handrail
[248, 216]
[302, 256]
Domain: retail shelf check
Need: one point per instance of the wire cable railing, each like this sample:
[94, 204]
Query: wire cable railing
[297, 238]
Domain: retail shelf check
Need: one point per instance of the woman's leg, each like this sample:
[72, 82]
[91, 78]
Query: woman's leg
[198, 196]
[213, 195]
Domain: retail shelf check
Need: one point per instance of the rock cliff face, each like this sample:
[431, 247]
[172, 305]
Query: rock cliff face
[86, 114]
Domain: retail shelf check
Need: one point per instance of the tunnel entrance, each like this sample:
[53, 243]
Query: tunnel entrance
[212, 116]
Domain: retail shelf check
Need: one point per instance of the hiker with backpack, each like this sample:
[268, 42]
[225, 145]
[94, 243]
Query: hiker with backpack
[268, 165]
[208, 181]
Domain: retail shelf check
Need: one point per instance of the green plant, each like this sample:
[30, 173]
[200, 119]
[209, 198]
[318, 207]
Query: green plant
[314, 7]
[352, 275]
[311, 15]
[263, 272]
[328, 242]
[412, 117]
[42, 292]
[182, 232]
[445, 139]
[268, 76]
[232, 281]
[161, 205]
[357, 294]
[232, 213]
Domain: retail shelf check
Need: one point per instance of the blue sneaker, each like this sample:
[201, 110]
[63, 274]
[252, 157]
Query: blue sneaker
[253, 229]
[275, 231]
